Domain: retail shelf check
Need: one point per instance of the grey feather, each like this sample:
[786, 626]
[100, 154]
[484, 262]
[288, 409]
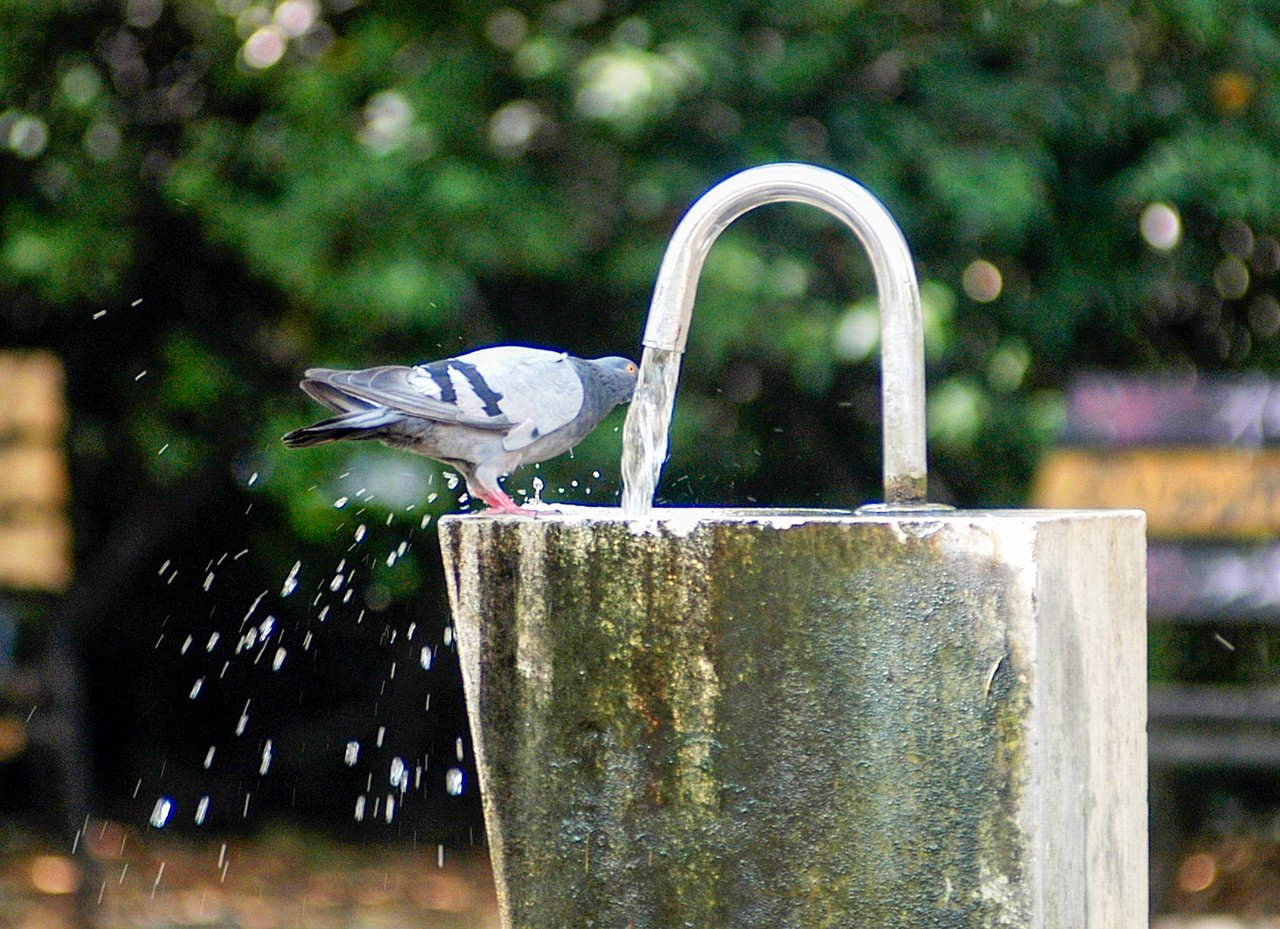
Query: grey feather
[484, 413]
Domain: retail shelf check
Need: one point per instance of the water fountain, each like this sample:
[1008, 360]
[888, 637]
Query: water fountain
[903, 715]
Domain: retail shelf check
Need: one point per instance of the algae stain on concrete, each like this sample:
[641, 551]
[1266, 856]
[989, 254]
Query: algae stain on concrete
[749, 723]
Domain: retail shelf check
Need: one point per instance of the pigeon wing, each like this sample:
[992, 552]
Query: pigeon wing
[407, 390]
[536, 390]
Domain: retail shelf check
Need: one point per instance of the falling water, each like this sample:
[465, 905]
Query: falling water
[645, 433]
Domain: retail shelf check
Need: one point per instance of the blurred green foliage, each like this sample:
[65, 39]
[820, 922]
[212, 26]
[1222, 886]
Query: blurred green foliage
[398, 183]
[220, 193]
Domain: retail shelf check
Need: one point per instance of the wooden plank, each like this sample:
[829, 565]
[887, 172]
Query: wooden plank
[32, 475]
[1210, 493]
[1213, 727]
[1214, 582]
[35, 537]
[35, 552]
[31, 396]
[1154, 410]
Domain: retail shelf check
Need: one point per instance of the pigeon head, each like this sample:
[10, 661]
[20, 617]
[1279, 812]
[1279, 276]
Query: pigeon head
[616, 377]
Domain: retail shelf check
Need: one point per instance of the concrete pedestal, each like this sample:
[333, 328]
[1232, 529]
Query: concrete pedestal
[765, 719]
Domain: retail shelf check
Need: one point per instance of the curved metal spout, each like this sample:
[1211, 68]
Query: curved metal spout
[901, 328]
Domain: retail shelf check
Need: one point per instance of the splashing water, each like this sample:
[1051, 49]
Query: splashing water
[645, 433]
[161, 811]
[454, 782]
[290, 583]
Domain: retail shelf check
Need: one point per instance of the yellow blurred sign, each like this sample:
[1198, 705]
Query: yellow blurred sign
[35, 536]
[1211, 493]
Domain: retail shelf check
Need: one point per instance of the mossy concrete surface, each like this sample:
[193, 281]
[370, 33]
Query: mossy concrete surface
[764, 719]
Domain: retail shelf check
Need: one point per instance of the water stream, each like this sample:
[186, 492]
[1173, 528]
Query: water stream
[645, 433]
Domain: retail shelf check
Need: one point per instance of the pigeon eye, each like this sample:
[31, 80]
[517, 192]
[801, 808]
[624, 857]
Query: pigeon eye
[631, 369]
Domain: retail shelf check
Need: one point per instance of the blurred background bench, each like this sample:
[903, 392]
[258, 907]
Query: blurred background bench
[43, 735]
[1202, 457]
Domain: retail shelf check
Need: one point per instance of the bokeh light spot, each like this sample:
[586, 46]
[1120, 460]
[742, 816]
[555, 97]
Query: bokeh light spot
[388, 118]
[513, 126]
[265, 47]
[1197, 873]
[28, 136]
[1231, 277]
[53, 874]
[102, 141]
[295, 17]
[506, 28]
[982, 281]
[1264, 315]
[1232, 92]
[1161, 226]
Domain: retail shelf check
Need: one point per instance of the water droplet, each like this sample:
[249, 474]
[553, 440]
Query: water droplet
[457, 747]
[267, 627]
[382, 732]
[424, 658]
[448, 636]
[208, 757]
[391, 559]
[161, 812]
[278, 660]
[185, 645]
[425, 519]
[352, 754]
[391, 807]
[340, 502]
[258, 599]
[195, 688]
[360, 532]
[213, 640]
[454, 781]
[290, 582]
[208, 581]
[360, 809]
[164, 567]
[202, 810]
[253, 478]
[266, 758]
[399, 774]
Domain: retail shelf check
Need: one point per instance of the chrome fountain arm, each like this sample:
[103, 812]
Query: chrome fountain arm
[671, 310]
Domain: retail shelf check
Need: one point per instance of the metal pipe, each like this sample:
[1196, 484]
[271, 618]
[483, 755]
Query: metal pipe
[901, 327]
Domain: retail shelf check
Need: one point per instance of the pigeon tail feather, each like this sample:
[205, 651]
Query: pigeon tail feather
[366, 424]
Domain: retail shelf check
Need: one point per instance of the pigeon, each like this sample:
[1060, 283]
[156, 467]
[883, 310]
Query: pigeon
[482, 413]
